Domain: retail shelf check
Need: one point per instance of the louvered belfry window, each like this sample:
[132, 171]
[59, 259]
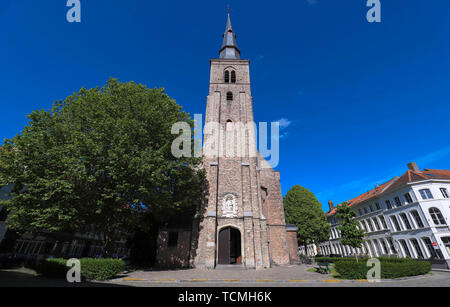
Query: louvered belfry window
[227, 76]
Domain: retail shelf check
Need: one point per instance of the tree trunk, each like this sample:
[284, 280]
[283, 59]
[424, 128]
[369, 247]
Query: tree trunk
[108, 244]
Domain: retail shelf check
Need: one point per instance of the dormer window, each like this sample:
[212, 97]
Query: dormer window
[229, 96]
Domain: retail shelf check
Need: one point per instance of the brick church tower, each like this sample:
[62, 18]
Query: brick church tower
[242, 221]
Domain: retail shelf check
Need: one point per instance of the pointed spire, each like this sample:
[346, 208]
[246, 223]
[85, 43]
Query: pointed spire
[229, 26]
[229, 48]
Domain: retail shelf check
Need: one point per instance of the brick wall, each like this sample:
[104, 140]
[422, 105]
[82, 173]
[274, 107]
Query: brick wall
[173, 256]
[293, 246]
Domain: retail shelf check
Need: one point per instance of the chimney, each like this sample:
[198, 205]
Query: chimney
[413, 167]
[331, 205]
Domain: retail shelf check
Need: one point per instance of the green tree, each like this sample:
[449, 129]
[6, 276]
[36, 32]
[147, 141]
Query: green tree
[304, 210]
[351, 235]
[99, 160]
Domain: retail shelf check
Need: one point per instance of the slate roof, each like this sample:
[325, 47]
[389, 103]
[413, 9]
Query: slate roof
[229, 48]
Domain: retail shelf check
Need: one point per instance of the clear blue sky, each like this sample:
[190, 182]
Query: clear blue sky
[362, 99]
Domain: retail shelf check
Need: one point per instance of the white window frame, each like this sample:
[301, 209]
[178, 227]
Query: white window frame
[426, 194]
[444, 192]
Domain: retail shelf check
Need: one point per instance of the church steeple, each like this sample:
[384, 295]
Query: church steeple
[245, 206]
[229, 48]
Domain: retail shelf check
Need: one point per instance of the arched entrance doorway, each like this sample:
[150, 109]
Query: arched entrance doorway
[229, 246]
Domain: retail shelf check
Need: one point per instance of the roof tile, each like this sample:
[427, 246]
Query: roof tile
[409, 176]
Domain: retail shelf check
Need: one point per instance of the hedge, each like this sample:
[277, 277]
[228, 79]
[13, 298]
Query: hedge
[91, 269]
[332, 259]
[390, 268]
[383, 259]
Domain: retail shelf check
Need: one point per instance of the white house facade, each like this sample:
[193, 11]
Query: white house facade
[408, 216]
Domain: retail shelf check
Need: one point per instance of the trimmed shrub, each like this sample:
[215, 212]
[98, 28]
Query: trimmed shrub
[390, 268]
[351, 269]
[382, 259]
[91, 269]
[394, 260]
[101, 269]
[331, 259]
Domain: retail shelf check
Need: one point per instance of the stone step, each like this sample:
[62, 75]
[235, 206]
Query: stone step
[230, 267]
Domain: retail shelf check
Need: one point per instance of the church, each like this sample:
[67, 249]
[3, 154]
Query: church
[242, 222]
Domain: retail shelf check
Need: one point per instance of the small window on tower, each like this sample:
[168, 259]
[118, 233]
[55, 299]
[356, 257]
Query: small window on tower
[233, 77]
[229, 96]
[229, 125]
[227, 76]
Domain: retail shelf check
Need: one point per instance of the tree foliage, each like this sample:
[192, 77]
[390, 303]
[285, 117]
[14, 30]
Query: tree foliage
[304, 210]
[102, 157]
[351, 235]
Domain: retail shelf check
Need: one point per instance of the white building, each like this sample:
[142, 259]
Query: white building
[408, 216]
[311, 250]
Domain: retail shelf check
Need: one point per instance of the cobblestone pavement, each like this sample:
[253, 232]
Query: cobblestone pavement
[289, 276]
[436, 279]
[293, 272]
[293, 276]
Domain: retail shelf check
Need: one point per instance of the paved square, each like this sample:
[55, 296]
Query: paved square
[282, 273]
[287, 276]
[283, 276]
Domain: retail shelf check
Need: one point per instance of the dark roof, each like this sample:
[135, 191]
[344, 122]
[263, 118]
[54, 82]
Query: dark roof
[229, 48]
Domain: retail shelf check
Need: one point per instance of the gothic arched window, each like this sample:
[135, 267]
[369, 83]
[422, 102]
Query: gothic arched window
[233, 77]
[229, 96]
[227, 76]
